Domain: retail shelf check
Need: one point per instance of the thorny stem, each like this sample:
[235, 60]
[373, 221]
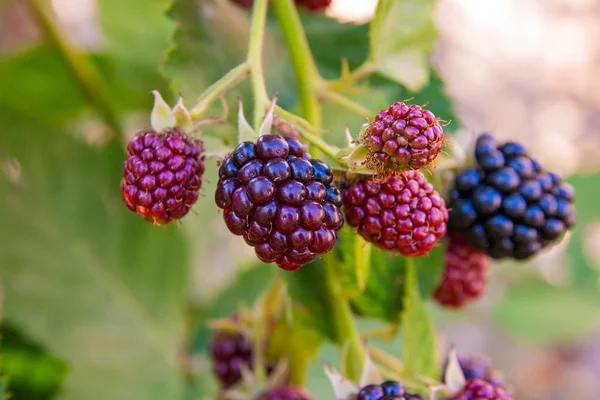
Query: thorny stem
[255, 52]
[82, 68]
[308, 80]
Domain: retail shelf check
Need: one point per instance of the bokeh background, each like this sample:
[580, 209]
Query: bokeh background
[523, 69]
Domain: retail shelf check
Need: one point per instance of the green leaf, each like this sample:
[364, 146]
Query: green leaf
[419, 334]
[402, 35]
[353, 262]
[4, 394]
[33, 373]
[115, 284]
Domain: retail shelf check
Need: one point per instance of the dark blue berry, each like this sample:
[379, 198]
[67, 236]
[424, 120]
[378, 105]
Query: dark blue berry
[454, 194]
[522, 166]
[505, 179]
[271, 146]
[526, 250]
[536, 165]
[556, 179]
[564, 209]
[534, 216]
[277, 170]
[499, 226]
[553, 228]
[371, 392]
[514, 205]
[548, 203]
[545, 181]
[525, 233]
[486, 200]
[250, 170]
[492, 161]
[228, 169]
[565, 191]
[322, 172]
[302, 170]
[501, 249]
[512, 149]
[467, 179]
[531, 190]
[392, 388]
[478, 237]
[292, 192]
[485, 144]
[243, 153]
[296, 148]
[334, 196]
[463, 214]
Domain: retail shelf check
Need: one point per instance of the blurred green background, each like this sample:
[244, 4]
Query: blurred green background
[98, 304]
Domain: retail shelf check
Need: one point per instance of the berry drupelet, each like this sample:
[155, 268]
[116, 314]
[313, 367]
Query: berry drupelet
[388, 390]
[477, 389]
[313, 5]
[402, 213]
[244, 3]
[286, 392]
[464, 274]
[403, 136]
[229, 351]
[507, 205]
[283, 203]
[162, 174]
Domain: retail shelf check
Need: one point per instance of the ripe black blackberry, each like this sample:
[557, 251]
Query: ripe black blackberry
[477, 389]
[162, 174]
[283, 203]
[388, 390]
[506, 205]
[285, 392]
[464, 274]
[229, 351]
[403, 213]
[403, 136]
[313, 5]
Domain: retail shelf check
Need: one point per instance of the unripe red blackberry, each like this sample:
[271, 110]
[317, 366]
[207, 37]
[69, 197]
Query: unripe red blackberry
[507, 205]
[477, 389]
[283, 203]
[162, 174]
[314, 5]
[464, 274]
[285, 392]
[402, 213]
[403, 136]
[229, 351]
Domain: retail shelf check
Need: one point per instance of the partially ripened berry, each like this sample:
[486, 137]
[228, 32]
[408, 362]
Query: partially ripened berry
[401, 213]
[314, 5]
[464, 274]
[162, 174]
[388, 390]
[477, 389]
[507, 205]
[403, 136]
[229, 351]
[282, 202]
[286, 392]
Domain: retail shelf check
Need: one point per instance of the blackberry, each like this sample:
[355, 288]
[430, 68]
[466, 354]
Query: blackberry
[481, 390]
[229, 351]
[389, 390]
[403, 136]
[403, 213]
[283, 203]
[286, 392]
[464, 274]
[244, 3]
[313, 5]
[507, 205]
[162, 174]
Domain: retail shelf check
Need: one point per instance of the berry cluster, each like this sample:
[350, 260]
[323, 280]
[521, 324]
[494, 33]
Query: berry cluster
[280, 201]
[389, 390]
[402, 213]
[403, 136]
[285, 392]
[229, 352]
[506, 205]
[477, 389]
[162, 175]
[464, 274]
[474, 367]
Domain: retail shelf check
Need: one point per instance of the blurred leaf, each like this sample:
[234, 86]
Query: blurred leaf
[115, 284]
[354, 262]
[4, 394]
[418, 331]
[33, 373]
[430, 268]
[402, 35]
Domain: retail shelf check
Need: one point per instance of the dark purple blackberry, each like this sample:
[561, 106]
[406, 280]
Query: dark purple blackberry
[162, 175]
[477, 389]
[371, 392]
[283, 203]
[506, 205]
[313, 5]
[388, 390]
[286, 392]
[402, 213]
[403, 136]
[244, 3]
[229, 351]
[464, 274]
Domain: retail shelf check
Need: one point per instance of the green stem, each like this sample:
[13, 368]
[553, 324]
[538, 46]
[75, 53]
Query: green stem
[359, 73]
[347, 103]
[255, 51]
[82, 68]
[307, 75]
[215, 90]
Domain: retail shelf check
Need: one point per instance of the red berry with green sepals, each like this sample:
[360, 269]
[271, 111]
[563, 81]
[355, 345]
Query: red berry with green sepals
[464, 274]
[403, 136]
[162, 174]
[400, 213]
[477, 389]
[286, 392]
[282, 202]
[313, 5]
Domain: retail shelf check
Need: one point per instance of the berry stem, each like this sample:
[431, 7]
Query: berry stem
[218, 88]
[307, 75]
[84, 71]
[347, 103]
[255, 53]
[359, 73]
